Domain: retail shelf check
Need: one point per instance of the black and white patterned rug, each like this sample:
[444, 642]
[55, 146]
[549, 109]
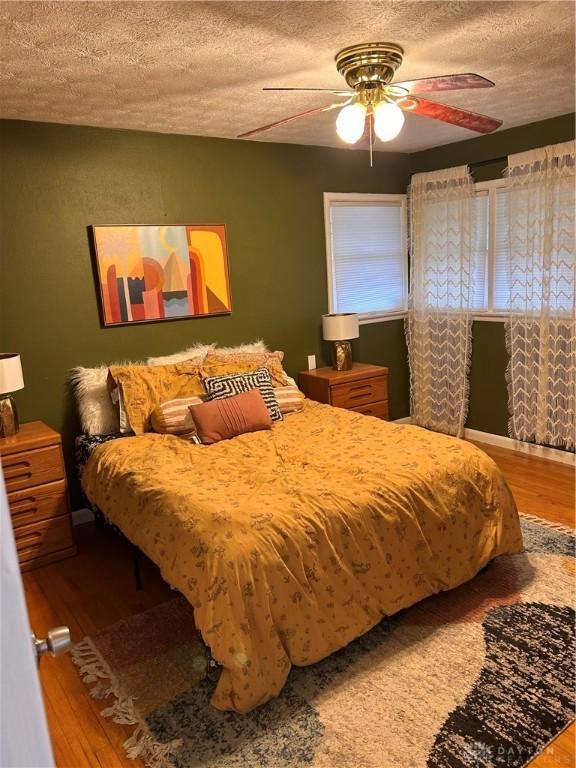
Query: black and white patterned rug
[476, 677]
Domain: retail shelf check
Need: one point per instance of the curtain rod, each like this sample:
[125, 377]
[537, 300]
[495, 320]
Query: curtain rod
[493, 160]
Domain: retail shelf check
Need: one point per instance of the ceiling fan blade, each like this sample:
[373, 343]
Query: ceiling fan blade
[307, 113]
[462, 117]
[446, 83]
[338, 92]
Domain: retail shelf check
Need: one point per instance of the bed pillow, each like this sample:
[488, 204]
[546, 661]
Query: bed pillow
[251, 347]
[173, 417]
[98, 416]
[217, 363]
[143, 387]
[199, 351]
[231, 416]
[116, 399]
[220, 387]
[196, 353]
[289, 398]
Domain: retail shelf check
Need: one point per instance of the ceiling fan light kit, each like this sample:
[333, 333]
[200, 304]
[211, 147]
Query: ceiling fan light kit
[388, 120]
[374, 102]
[350, 123]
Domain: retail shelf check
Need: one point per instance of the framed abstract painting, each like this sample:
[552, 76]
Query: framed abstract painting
[151, 273]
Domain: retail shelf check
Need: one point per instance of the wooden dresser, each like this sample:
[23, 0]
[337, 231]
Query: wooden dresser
[364, 388]
[37, 494]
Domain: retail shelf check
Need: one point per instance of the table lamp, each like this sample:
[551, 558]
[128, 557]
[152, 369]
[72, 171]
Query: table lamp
[10, 381]
[340, 328]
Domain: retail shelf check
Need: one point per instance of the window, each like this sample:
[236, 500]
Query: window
[366, 254]
[492, 219]
[560, 279]
[492, 298]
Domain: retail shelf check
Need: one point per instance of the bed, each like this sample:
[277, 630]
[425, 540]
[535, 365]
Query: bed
[291, 542]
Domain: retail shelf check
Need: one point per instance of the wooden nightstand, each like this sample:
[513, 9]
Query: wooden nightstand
[364, 388]
[37, 494]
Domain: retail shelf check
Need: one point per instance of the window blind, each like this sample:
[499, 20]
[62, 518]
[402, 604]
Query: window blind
[368, 257]
[551, 284]
[479, 287]
[500, 269]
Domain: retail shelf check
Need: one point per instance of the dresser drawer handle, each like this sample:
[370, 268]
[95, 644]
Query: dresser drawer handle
[30, 540]
[28, 510]
[361, 393]
[25, 502]
[17, 464]
[20, 476]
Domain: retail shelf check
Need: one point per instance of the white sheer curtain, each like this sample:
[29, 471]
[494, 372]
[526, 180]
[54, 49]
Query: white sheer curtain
[541, 327]
[439, 326]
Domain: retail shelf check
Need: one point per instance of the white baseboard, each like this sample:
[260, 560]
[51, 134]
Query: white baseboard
[83, 515]
[530, 449]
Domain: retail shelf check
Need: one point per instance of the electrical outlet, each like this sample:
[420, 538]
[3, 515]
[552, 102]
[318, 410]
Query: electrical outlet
[311, 362]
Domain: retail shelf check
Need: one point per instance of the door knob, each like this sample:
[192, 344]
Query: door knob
[56, 642]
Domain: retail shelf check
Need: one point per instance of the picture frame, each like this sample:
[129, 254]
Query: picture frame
[149, 273]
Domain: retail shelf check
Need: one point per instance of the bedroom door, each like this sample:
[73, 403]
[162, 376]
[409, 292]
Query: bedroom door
[24, 739]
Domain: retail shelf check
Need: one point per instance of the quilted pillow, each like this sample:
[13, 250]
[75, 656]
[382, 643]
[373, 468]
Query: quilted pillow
[173, 417]
[220, 387]
[231, 416]
[143, 387]
[290, 399]
[218, 363]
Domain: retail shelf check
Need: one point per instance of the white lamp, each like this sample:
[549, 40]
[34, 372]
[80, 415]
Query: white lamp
[340, 328]
[11, 380]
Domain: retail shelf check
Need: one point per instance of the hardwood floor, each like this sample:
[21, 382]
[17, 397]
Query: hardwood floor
[96, 588]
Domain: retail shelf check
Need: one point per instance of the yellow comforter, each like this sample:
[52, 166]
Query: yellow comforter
[290, 543]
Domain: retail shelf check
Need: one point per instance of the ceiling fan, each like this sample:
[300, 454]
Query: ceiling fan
[375, 105]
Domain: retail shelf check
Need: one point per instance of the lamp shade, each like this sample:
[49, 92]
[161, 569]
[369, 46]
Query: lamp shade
[340, 327]
[10, 373]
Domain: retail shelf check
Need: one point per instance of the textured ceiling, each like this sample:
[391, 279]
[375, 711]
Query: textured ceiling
[198, 67]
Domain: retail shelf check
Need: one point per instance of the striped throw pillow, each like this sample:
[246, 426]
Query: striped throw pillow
[220, 387]
[290, 399]
[174, 418]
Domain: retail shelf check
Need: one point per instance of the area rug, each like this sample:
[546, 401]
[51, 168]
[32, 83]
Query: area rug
[479, 676]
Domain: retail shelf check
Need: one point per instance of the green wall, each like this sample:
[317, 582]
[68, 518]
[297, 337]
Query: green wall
[488, 391]
[57, 180]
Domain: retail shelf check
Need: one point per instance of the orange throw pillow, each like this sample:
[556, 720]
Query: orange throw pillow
[232, 416]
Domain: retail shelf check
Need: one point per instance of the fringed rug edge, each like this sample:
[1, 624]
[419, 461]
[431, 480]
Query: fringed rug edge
[560, 527]
[93, 669]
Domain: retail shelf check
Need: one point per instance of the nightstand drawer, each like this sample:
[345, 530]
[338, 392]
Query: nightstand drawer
[43, 538]
[380, 410]
[40, 502]
[359, 392]
[29, 468]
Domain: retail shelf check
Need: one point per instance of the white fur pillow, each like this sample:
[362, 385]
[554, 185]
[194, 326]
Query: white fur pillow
[97, 413]
[254, 346]
[199, 350]
[195, 352]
